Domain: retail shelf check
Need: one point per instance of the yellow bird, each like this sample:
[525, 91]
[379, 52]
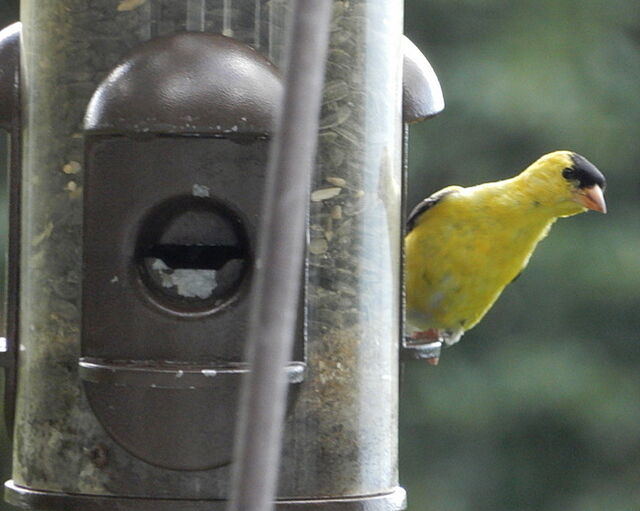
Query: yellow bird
[465, 245]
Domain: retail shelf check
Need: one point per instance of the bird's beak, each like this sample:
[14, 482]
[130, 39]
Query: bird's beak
[591, 198]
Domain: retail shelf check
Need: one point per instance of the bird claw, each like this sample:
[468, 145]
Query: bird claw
[425, 337]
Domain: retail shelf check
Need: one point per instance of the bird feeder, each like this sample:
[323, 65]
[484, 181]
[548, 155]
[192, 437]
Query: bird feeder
[145, 130]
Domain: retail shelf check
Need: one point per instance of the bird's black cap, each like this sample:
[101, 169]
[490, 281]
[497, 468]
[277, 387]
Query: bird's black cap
[585, 172]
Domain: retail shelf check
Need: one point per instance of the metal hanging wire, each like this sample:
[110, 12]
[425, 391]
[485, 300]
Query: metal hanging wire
[280, 256]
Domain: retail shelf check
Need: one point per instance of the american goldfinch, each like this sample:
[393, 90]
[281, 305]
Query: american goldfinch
[464, 245]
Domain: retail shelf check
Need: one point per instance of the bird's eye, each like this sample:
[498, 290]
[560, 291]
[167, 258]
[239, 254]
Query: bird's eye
[569, 174]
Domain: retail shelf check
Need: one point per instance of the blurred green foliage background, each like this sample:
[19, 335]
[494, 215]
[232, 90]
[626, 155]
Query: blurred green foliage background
[538, 408]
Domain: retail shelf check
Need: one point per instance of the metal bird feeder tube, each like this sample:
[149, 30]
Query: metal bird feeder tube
[64, 455]
[353, 266]
[144, 157]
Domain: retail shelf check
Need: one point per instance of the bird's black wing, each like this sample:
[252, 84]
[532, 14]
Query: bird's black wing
[425, 205]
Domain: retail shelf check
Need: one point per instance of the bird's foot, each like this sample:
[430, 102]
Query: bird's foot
[427, 336]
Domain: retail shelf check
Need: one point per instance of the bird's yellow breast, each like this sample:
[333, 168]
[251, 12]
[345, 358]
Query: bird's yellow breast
[464, 251]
